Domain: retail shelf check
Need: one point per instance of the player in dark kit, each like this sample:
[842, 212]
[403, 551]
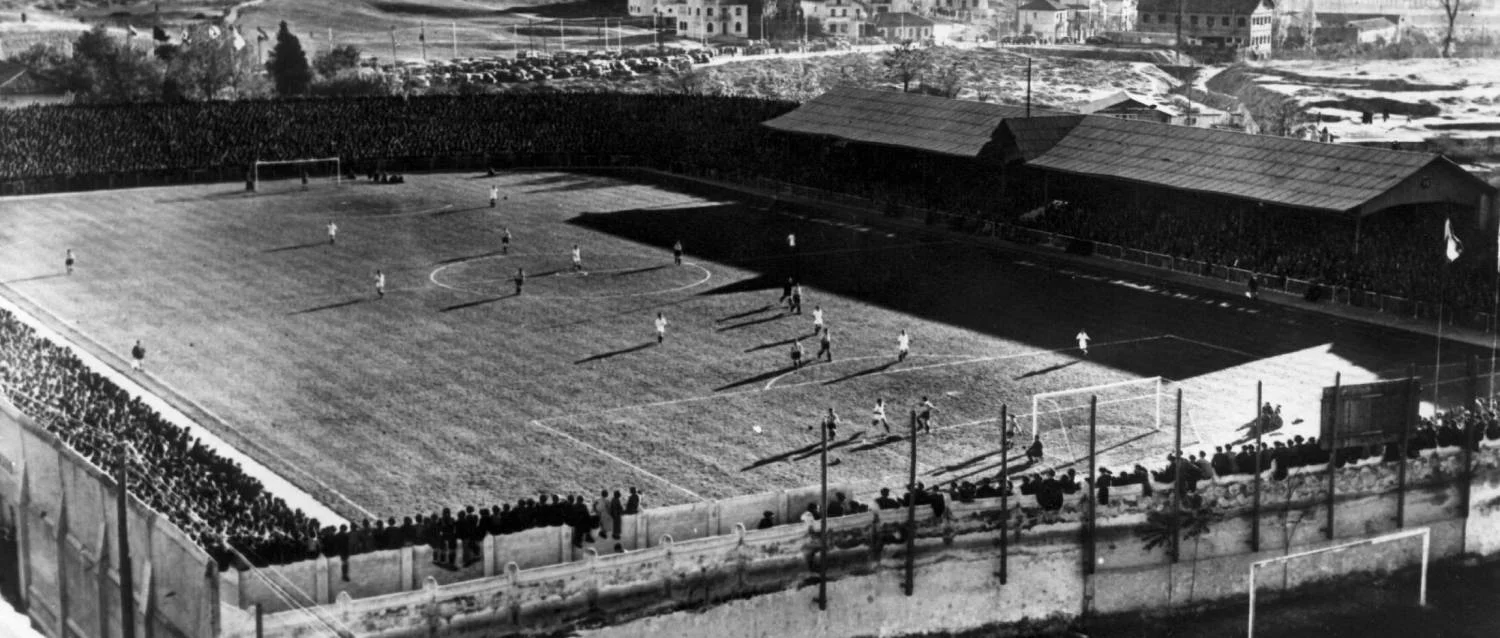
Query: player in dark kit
[68, 261]
[825, 346]
[677, 253]
[786, 293]
[505, 242]
[797, 353]
[137, 355]
[520, 280]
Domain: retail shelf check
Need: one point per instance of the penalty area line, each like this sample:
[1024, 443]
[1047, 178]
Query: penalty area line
[601, 452]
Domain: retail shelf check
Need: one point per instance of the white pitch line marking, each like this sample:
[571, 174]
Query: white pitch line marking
[601, 452]
[1206, 344]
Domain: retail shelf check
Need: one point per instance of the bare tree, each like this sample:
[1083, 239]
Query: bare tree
[1450, 10]
[950, 71]
[906, 63]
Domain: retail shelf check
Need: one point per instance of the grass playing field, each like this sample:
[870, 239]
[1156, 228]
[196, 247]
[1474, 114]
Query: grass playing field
[454, 390]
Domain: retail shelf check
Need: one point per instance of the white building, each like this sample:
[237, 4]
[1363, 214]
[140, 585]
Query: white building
[701, 19]
[840, 18]
[1045, 19]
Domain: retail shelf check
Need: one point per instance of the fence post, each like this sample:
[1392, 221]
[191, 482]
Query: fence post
[1333, 456]
[1406, 419]
[1255, 509]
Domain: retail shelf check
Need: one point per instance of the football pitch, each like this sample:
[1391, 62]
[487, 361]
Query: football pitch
[453, 389]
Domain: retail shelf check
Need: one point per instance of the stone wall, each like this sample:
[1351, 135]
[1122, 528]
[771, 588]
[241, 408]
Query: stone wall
[764, 582]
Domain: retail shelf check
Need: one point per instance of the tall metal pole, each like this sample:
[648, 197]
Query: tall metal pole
[823, 533]
[1004, 494]
[1333, 455]
[1090, 548]
[393, 44]
[422, 38]
[454, 32]
[1255, 518]
[1177, 481]
[122, 520]
[911, 511]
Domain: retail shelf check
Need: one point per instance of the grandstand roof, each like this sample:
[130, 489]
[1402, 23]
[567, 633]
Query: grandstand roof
[1034, 136]
[907, 120]
[1275, 170]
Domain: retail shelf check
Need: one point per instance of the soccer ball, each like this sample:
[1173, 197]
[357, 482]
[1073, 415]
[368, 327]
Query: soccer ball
[756, 429]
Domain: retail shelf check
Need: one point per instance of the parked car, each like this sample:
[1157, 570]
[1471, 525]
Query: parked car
[1098, 40]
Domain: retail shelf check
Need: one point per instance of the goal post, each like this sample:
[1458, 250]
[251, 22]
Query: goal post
[1424, 532]
[1142, 396]
[316, 168]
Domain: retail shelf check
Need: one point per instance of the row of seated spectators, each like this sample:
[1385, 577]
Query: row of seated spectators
[1050, 488]
[226, 511]
[1398, 255]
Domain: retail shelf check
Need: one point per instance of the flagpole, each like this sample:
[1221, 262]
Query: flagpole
[422, 37]
[393, 44]
[455, 39]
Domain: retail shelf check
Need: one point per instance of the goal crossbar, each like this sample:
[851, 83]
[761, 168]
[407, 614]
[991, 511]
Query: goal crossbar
[1424, 532]
[1036, 399]
[338, 168]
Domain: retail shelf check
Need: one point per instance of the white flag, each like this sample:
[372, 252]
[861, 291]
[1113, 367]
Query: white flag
[214, 32]
[1455, 247]
[239, 41]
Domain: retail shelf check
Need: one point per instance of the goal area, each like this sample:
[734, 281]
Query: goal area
[1128, 420]
[295, 174]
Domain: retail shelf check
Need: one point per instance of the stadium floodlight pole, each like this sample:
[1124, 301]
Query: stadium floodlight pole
[1255, 508]
[823, 519]
[1333, 451]
[1004, 494]
[122, 538]
[911, 512]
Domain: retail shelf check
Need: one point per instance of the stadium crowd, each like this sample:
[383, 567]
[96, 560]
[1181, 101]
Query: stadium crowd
[232, 515]
[718, 137]
[226, 511]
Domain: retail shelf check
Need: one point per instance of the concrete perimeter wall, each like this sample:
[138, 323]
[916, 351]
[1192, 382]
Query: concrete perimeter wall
[65, 515]
[757, 583]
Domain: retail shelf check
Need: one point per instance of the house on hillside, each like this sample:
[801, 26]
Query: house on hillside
[703, 19]
[902, 27]
[1127, 106]
[1045, 19]
[1242, 25]
[963, 9]
[841, 18]
[20, 87]
[1119, 15]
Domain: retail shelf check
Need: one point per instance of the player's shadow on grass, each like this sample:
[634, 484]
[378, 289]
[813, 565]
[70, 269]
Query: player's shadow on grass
[615, 353]
[803, 452]
[451, 211]
[773, 344]
[33, 278]
[331, 306]
[282, 249]
[1049, 369]
[753, 284]
[755, 379]
[752, 322]
[471, 304]
[638, 271]
[884, 440]
[867, 371]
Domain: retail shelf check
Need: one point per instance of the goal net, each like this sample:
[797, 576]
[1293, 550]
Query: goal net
[1126, 412]
[279, 175]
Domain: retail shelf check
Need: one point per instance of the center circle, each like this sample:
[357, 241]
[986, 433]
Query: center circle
[552, 275]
